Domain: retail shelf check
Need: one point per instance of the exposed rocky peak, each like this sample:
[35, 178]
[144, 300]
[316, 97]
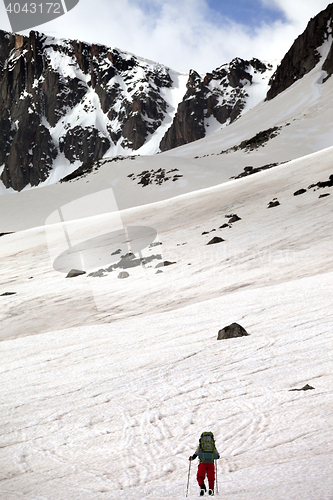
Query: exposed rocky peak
[305, 53]
[221, 94]
[68, 102]
[73, 98]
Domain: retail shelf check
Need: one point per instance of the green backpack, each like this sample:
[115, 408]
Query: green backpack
[207, 450]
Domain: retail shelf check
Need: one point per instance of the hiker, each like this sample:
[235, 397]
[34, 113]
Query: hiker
[207, 453]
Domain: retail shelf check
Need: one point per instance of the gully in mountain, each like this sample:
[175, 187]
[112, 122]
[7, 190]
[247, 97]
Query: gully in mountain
[207, 453]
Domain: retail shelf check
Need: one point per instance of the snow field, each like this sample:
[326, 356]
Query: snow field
[113, 406]
[115, 410]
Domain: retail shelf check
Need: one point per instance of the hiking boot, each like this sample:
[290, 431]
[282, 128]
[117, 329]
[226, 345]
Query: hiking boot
[202, 489]
[202, 492]
[211, 492]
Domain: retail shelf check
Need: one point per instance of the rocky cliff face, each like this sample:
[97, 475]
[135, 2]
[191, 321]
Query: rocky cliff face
[71, 100]
[305, 53]
[221, 95]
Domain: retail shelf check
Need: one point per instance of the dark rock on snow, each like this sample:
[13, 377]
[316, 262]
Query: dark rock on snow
[307, 387]
[123, 275]
[232, 331]
[164, 264]
[75, 272]
[234, 218]
[300, 191]
[255, 142]
[273, 203]
[215, 240]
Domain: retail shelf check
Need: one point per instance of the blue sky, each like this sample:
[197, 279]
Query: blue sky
[250, 13]
[186, 34]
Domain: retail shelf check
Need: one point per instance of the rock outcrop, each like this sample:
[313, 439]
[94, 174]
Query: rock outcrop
[52, 96]
[304, 53]
[220, 94]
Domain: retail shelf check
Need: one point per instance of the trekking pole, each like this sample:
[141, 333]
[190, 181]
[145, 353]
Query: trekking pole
[217, 486]
[188, 478]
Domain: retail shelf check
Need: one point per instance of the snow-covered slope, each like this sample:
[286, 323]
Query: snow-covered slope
[108, 378]
[107, 383]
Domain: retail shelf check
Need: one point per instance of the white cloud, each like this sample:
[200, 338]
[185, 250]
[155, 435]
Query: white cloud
[298, 12]
[183, 34]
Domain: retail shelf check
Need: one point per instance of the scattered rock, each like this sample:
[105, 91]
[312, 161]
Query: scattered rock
[215, 240]
[75, 272]
[8, 293]
[116, 252]
[159, 271]
[155, 244]
[158, 177]
[129, 256]
[123, 275]
[232, 331]
[164, 264]
[255, 142]
[223, 226]
[234, 218]
[324, 195]
[274, 203]
[307, 387]
[300, 191]
[251, 170]
[323, 184]
[97, 274]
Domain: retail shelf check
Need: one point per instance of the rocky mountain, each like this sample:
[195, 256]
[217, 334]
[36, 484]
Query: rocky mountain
[68, 102]
[65, 103]
[305, 53]
[222, 94]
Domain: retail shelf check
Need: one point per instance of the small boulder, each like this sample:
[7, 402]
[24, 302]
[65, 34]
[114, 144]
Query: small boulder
[97, 274]
[123, 275]
[307, 387]
[234, 218]
[300, 191]
[216, 239]
[324, 195]
[164, 264]
[274, 203]
[232, 331]
[75, 272]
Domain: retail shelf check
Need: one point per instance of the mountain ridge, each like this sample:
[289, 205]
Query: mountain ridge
[120, 102]
[66, 103]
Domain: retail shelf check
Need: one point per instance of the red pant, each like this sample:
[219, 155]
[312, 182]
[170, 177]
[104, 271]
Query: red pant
[208, 469]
